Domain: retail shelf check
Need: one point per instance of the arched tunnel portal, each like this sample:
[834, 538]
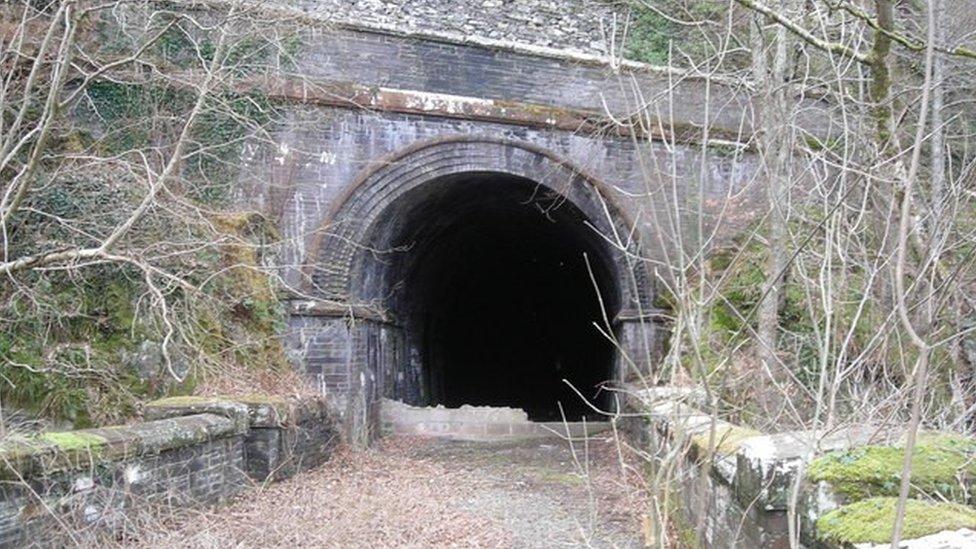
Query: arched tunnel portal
[501, 288]
[500, 271]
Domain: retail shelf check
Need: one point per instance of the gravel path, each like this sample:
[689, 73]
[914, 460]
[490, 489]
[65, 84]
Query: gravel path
[432, 493]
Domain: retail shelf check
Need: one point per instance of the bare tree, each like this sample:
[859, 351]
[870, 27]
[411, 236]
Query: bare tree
[122, 129]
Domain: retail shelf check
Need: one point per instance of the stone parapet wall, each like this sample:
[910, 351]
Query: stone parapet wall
[188, 451]
[753, 476]
[283, 437]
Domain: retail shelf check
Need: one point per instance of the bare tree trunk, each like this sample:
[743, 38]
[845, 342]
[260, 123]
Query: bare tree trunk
[938, 132]
[774, 148]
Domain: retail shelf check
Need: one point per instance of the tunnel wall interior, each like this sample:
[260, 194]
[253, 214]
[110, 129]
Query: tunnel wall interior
[501, 290]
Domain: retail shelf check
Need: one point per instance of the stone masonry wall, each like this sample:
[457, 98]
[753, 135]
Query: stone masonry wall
[190, 451]
[70, 481]
[752, 475]
[586, 26]
[377, 80]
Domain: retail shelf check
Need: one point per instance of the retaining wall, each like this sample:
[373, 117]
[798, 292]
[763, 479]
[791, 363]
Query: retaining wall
[188, 451]
[752, 475]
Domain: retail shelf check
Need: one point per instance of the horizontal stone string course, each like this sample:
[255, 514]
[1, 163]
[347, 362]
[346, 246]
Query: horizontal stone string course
[753, 474]
[577, 120]
[188, 451]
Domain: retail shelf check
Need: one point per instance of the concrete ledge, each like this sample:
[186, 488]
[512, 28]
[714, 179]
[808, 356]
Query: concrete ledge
[520, 113]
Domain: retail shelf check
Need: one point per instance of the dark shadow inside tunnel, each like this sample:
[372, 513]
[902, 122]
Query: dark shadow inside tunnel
[499, 287]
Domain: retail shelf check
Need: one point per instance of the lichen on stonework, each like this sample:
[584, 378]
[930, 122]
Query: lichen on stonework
[871, 520]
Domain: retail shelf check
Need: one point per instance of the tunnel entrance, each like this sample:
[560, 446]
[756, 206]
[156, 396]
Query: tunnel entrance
[498, 289]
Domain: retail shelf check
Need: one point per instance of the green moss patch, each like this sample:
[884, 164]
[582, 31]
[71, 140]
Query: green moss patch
[938, 466]
[871, 520]
[46, 452]
[72, 441]
[184, 401]
[965, 445]
[270, 400]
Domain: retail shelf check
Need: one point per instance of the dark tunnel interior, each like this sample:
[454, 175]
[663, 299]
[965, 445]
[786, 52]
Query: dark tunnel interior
[497, 299]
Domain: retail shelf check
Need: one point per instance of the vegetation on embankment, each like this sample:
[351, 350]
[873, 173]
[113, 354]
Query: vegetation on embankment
[187, 293]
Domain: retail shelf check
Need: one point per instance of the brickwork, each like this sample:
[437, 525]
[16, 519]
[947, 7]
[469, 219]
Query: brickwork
[78, 487]
[376, 199]
[339, 175]
[323, 347]
[390, 61]
[192, 451]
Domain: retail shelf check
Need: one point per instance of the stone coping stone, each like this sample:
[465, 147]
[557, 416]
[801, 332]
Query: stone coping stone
[641, 396]
[761, 467]
[21, 457]
[249, 411]
[767, 465]
[674, 413]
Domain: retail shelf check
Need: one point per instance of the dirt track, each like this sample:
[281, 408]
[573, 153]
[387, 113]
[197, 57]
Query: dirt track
[432, 493]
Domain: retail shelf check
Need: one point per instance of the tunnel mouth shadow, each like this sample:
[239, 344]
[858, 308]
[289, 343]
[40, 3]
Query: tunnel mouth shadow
[502, 289]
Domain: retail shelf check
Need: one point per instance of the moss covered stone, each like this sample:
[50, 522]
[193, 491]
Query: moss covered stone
[72, 441]
[271, 400]
[871, 520]
[22, 455]
[254, 410]
[940, 465]
[728, 437]
[188, 400]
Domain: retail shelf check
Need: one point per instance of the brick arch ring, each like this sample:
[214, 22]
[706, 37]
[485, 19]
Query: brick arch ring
[342, 243]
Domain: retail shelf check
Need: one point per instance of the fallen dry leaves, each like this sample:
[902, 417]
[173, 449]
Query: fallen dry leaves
[375, 498]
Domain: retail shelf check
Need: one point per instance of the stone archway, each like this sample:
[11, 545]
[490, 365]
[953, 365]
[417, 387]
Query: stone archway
[481, 271]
